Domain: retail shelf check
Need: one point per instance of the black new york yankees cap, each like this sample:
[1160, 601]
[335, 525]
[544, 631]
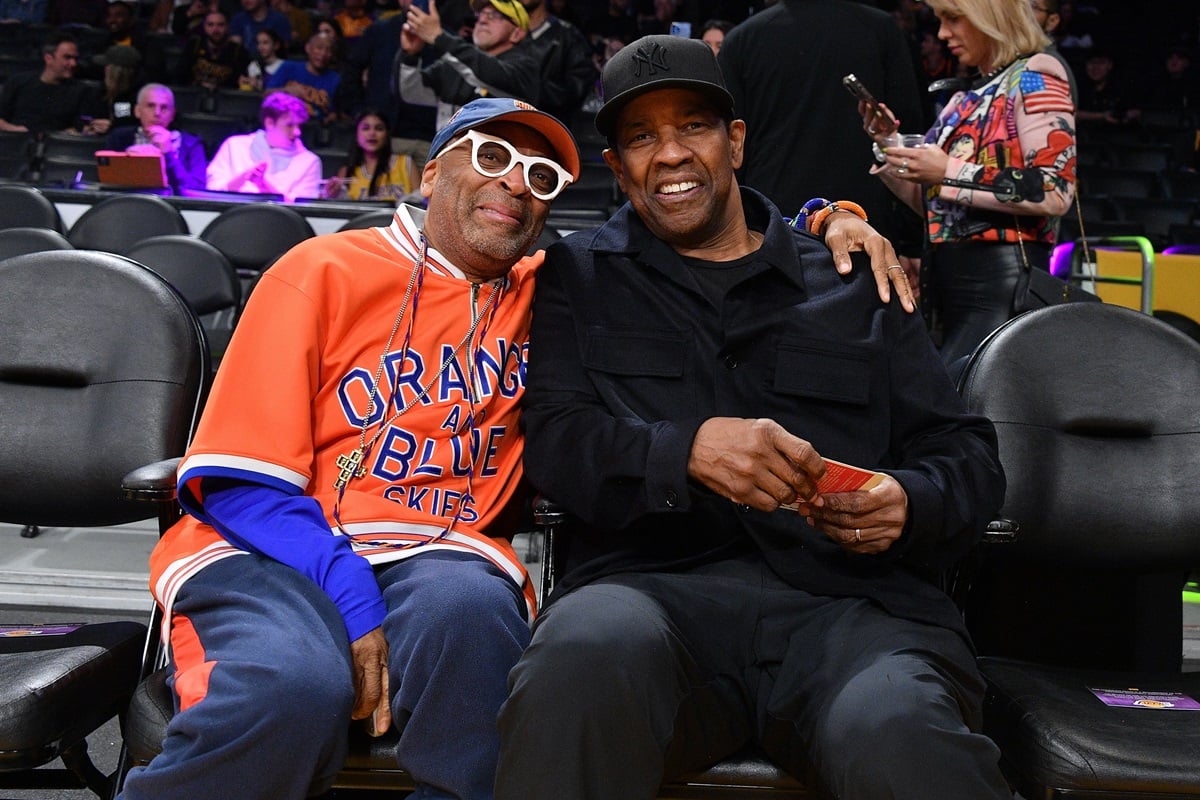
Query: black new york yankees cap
[660, 62]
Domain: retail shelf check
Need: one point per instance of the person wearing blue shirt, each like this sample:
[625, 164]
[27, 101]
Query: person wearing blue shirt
[254, 16]
[312, 80]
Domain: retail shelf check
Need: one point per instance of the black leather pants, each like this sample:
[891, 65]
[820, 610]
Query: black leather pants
[972, 285]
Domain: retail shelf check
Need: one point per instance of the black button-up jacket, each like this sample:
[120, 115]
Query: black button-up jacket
[629, 356]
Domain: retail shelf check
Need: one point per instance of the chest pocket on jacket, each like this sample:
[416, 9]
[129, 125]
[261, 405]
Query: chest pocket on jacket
[651, 353]
[824, 370]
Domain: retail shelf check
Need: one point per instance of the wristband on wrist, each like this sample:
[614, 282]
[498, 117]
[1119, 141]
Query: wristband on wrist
[810, 208]
[816, 224]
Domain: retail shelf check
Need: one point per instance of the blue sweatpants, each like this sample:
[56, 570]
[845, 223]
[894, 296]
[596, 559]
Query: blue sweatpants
[261, 675]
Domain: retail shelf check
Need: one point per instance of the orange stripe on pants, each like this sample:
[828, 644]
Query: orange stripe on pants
[191, 669]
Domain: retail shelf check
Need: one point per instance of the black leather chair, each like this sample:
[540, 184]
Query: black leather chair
[16, 155]
[27, 207]
[1097, 410]
[379, 218]
[204, 276]
[118, 223]
[19, 241]
[107, 383]
[241, 104]
[253, 235]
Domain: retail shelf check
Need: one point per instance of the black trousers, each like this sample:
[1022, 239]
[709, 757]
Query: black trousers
[636, 678]
[973, 285]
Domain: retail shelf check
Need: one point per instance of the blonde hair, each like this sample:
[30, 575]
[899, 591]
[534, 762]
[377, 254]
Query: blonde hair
[1008, 24]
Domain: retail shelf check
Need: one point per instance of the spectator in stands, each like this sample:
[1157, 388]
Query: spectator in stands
[27, 12]
[183, 153]
[187, 16]
[312, 80]
[933, 64]
[354, 19]
[497, 62]
[51, 99]
[331, 28]
[1017, 115]
[614, 20]
[372, 171]
[300, 20]
[254, 16]
[712, 33]
[122, 76]
[121, 21]
[568, 73]
[271, 160]
[1048, 16]
[269, 59]
[411, 581]
[368, 82]
[1176, 88]
[212, 59]
[793, 116]
[1103, 97]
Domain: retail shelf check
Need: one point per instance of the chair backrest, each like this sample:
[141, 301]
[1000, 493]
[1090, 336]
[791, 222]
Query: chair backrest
[212, 129]
[19, 241]
[71, 145]
[378, 218]
[197, 270]
[102, 367]
[26, 207]
[1097, 411]
[241, 104]
[16, 155]
[118, 223]
[65, 172]
[252, 236]
[1119, 182]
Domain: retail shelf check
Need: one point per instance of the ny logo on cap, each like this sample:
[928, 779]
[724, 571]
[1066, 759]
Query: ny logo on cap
[655, 60]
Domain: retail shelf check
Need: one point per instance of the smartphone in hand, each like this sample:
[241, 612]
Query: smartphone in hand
[885, 123]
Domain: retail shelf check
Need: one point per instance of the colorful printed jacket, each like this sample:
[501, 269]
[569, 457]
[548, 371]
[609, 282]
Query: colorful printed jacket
[1021, 117]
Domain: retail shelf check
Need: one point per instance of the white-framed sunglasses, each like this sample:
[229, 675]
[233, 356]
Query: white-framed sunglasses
[492, 158]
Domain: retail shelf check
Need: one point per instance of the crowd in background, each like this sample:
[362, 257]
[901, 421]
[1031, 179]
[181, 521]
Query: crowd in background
[340, 58]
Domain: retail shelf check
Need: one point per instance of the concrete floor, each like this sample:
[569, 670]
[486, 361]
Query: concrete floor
[96, 575]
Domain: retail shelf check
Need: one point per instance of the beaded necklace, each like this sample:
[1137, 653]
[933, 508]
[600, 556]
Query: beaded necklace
[351, 465]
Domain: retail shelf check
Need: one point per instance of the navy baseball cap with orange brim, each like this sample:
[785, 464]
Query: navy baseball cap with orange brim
[506, 109]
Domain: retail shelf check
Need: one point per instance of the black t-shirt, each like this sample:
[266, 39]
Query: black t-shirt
[26, 100]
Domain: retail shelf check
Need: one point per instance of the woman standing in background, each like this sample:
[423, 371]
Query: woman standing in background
[1016, 114]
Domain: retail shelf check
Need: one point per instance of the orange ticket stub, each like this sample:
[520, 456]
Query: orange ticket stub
[842, 477]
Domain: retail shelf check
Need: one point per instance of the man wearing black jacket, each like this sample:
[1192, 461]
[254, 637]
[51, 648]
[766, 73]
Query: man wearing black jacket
[784, 68]
[692, 364]
[568, 71]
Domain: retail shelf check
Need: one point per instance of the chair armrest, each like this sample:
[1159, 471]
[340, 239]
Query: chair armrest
[1001, 531]
[547, 513]
[152, 482]
[549, 517]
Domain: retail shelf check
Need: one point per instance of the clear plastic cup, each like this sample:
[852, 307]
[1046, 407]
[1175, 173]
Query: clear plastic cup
[904, 140]
[897, 140]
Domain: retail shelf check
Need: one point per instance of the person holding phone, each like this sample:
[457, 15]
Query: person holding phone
[439, 69]
[1016, 113]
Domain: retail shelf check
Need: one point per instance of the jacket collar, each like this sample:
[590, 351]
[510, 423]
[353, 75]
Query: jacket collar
[626, 234]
